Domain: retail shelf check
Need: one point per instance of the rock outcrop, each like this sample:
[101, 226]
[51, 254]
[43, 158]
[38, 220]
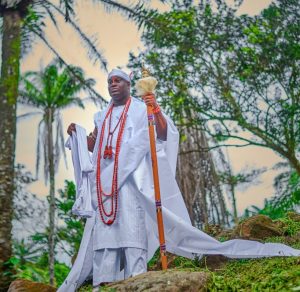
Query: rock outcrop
[167, 281]
[23, 285]
[258, 227]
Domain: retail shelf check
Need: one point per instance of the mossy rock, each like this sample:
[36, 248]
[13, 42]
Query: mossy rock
[294, 216]
[168, 281]
[23, 285]
[258, 227]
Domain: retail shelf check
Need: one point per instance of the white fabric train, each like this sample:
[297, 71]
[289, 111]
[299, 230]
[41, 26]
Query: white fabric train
[181, 237]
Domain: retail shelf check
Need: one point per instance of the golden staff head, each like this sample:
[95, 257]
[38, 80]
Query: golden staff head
[145, 72]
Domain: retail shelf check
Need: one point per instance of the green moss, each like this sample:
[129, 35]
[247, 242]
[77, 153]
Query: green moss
[12, 81]
[86, 288]
[273, 274]
[290, 227]
[10, 78]
[89, 288]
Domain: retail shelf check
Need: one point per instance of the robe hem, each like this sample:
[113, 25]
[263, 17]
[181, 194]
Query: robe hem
[120, 244]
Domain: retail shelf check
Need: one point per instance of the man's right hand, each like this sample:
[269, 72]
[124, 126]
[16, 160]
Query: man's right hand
[71, 128]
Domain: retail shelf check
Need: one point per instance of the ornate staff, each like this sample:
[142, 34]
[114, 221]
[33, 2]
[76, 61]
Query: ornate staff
[145, 85]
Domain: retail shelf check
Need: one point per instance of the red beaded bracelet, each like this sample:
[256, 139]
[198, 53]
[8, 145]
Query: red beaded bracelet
[156, 109]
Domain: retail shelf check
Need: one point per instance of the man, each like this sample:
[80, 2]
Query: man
[121, 233]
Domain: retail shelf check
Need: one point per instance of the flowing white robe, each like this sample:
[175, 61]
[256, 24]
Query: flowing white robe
[135, 175]
[128, 230]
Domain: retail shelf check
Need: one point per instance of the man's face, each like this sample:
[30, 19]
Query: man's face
[119, 89]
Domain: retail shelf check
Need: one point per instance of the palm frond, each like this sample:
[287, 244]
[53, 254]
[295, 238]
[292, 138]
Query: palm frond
[97, 98]
[281, 165]
[45, 139]
[64, 103]
[93, 53]
[52, 90]
[137, 12]
[38, 148]
[57, 149]
[47, 7]
[27, 115]
[33, 23]
[67, 5]
[30, 93]
[61, 138]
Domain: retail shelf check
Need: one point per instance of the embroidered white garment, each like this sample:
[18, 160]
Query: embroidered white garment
[135, 176]
[128, 230]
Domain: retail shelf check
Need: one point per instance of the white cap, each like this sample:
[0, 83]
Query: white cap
[119, 73]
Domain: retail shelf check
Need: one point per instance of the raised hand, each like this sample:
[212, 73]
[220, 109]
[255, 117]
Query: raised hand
[71, 128]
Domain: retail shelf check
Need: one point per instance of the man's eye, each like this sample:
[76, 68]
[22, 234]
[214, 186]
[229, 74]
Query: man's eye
[116, 80]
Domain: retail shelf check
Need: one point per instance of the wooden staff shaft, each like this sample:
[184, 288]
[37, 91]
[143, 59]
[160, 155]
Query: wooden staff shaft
[158, 205]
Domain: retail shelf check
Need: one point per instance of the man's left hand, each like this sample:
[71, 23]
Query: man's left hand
[149, 99]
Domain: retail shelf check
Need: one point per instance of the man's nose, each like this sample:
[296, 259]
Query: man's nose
[113, 83]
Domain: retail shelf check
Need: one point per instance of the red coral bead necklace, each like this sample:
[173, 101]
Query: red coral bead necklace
[113, 195]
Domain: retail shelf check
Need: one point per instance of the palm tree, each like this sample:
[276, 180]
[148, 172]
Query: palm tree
[20, 22]
[11, 34]
[50, 91]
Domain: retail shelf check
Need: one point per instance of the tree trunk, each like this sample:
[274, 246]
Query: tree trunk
[235, 215]
[197, 179]
[295, 163]
[11, 42]
[51, 239]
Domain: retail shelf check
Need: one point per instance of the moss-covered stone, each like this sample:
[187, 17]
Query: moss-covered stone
[170, 280]
[258, 227]
[22, 285]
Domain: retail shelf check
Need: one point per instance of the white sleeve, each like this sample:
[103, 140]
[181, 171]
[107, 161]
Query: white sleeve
[97, 117]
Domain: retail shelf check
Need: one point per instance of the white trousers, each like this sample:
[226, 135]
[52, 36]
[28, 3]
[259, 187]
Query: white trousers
[108, 262]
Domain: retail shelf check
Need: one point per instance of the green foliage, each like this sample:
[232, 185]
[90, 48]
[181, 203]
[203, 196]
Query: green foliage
[30, 261]
[86, 288]
[276, 274]
[55, 87]
[290, 227]
[244, 177]
[89, 288]
[287, 197]
[31, 256]
[155, 259]
[61, 272]
[231, 74]
[185, 263]
[72, 230]
[38, 272]
[49, 92]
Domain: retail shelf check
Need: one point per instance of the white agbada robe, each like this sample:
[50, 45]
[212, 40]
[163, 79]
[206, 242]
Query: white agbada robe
[136, 185]
[128, 230]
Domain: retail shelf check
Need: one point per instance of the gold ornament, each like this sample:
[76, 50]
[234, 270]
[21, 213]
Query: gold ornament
[146, 84]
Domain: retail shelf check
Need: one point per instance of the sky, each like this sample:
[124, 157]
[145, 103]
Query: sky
[116, 38]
